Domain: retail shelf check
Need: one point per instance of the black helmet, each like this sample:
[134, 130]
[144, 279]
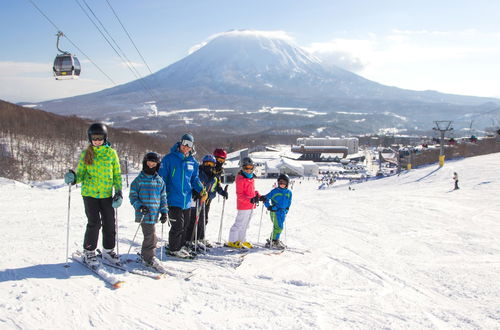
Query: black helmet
[97, 129]
[285, 178]
[152, 157]
[247, 161]
[187, 139]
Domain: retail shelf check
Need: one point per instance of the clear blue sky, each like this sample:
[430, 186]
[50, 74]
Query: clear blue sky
[449, 46]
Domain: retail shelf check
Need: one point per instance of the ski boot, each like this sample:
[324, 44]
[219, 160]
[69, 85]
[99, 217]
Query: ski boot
[155, 264]
[110, 256]
[247, 245]
[90, 258]
[236, 245]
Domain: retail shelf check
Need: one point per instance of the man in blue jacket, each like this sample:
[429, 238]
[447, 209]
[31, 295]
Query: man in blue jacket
[179, 170]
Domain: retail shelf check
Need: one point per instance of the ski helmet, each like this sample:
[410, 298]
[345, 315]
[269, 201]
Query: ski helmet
[220, 153]
[151, 157]
[97, 129]
[247, 161]
[285, 178]
[188, 140]
[208, 158]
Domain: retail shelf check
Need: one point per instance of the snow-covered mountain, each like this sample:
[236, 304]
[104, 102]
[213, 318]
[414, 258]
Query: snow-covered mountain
[404, 252]
[247, 70]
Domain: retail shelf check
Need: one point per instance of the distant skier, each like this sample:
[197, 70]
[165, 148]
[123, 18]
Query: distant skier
[99, 171]
[455, 178]
[247, 198]
[179, 170]
[278, 202]
[148, 196]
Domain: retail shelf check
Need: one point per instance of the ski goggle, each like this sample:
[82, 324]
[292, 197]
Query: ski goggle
[248, 167]
[187, 143]
[281, 182]
[220, 159]
[209, 164]
[97, 137]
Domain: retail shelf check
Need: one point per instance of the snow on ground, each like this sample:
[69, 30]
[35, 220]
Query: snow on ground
[400, 252]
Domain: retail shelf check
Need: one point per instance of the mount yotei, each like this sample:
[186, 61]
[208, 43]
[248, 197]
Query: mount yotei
[243, 81]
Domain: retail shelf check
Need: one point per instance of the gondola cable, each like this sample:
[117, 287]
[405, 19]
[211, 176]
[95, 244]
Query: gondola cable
[129, 37]
[126, 61]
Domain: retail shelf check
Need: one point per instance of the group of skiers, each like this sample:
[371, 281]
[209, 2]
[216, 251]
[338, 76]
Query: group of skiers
[175, 188]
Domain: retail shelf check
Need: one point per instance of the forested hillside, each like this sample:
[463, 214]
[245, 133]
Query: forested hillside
[37, 145]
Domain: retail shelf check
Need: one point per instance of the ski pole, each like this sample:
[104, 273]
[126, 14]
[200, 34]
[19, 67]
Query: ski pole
[67, 225]
[133, 239]
[194, 234]
[204, 224]
[222, 217]
[260, 223]
[162, 244]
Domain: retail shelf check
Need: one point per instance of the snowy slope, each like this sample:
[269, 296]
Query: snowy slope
[401, 252]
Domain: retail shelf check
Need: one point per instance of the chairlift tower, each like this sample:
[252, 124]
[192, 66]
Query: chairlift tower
[442, 126]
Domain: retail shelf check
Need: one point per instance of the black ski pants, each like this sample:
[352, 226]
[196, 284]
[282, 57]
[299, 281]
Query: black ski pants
[202, 223]
[99, 212]
[179, 220]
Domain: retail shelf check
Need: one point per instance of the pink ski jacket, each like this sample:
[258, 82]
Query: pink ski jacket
[245, 190]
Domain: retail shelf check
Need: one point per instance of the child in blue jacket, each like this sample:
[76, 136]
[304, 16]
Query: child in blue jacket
[278, 202]
[149, 198]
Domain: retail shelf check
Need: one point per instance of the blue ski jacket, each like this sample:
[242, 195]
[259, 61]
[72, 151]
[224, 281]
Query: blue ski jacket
[211, 184]
[279, 199]
[180, 174]
[148, 190]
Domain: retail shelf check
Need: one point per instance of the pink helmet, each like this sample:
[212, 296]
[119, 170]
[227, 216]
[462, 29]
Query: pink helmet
[220, 153]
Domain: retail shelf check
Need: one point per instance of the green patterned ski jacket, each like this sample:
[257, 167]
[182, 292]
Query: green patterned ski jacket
[99, 178]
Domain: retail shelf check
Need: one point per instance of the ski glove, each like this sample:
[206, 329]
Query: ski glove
[70, 177]
[203, 195]
[254, 200]
[163, 218]
[224, 194]
[144, 210]
[262, 198]
[271, 209]
[117, 199]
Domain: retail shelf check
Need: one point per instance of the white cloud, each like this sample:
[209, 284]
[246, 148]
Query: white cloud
[268, 34]
[350, 54]
[10, 68]
[32, 82]
[462, 62]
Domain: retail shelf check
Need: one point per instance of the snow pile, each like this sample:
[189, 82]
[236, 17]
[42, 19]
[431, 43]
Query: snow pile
[400, 252]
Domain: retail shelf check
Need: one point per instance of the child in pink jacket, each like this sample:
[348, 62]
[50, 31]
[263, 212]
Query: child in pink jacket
[247, 197]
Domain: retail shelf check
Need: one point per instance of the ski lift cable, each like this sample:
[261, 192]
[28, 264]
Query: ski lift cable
[71, 42]
[112, 39]
[133, 43]
[124, 60]
[129, 37]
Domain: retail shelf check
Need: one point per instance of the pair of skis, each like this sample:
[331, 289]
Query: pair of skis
[114, 280]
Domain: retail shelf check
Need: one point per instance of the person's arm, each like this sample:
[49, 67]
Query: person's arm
[117, 172]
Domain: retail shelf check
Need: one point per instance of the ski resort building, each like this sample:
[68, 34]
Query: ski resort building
[323, 149]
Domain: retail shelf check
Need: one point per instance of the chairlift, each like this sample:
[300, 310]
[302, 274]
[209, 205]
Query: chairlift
[66, 66]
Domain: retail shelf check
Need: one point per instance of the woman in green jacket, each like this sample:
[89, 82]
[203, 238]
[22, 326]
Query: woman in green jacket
[99, 171]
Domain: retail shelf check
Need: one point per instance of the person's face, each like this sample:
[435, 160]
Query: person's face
[248, 168]
[185, 149]
[220, 160]
[97, 140]
[282, 183]
[151, 164]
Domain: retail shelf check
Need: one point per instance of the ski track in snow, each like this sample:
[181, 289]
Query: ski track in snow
[400, 252]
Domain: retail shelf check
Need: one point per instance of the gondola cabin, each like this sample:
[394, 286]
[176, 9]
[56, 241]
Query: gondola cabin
[66, 66]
